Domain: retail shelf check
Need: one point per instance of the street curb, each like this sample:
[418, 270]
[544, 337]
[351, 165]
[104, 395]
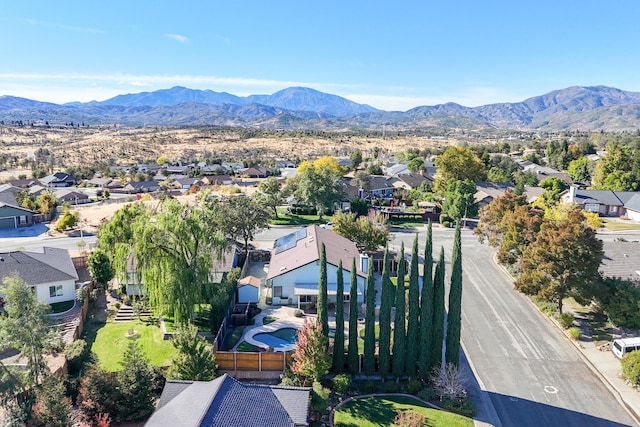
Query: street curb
[576, 345]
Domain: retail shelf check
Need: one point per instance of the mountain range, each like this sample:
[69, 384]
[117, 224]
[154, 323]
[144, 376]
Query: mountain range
[592, 108]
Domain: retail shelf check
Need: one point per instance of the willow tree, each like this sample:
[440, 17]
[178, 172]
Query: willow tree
[426, 308]
[386, 301]
[174, 249]
[438, 313]
[323, 314]
[338, 339]
[413, 323]
[353, 320]
[399, 336]
[452, 349]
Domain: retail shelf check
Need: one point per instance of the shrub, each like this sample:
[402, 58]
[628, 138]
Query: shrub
[444, 218]
[446, 224]
[341, 383]
[566, 320]
[319, 397]
[268, 300]
[631, 367]
[427, 394]
[298, 313]
[368, 387]
[414, 386]
[117, 306]
[76, 354]
[390, 387]
[462, 405]
[409, 419]
[575, 333]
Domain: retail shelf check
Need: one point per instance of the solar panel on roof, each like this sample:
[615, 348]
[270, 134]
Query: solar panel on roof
[289, 241]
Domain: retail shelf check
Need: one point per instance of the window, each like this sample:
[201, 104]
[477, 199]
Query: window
[592, 207]
[277, 291]
[55, 291]
[23, 219]
[613, 209]
[306, 299]
[347, 298]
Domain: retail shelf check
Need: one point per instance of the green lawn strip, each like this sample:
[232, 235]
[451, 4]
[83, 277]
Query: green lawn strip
[377, 332]
[619, 226]
[61, 307]
[381, 411]
[285, 218]
[246, 347]
[599, 326]
[268, 319]
[232, 339]
[110, 344]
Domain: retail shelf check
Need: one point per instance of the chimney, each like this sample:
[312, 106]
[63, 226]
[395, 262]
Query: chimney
[572, 193]
[364, 263]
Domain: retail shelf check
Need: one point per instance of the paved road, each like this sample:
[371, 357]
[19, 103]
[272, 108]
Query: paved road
[532, 374]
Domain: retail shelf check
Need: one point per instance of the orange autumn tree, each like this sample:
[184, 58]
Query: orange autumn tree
[311, 359]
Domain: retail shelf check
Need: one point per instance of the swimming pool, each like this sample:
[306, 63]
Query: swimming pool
[281, 339]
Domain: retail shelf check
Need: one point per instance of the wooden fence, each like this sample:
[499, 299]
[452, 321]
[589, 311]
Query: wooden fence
[80, 261]
[241, 361]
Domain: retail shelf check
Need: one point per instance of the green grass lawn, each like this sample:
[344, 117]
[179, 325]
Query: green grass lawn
[268, 319]
[377, 332]
[376, 411]
[201, 321]
[110, 344]
[246, 347]
[285, 218]
[619, 225]
[232, 339]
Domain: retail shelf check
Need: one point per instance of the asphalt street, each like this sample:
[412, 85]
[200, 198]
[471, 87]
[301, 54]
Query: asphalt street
[530, 372]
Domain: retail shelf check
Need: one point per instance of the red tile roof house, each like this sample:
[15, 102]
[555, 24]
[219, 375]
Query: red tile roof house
[294, 268]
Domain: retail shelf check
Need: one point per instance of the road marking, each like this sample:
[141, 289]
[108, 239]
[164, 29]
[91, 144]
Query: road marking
[550, 389]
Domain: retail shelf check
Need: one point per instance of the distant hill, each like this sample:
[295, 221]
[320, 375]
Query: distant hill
[584, 108]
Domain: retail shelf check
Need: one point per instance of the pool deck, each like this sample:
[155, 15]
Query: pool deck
[286, 319]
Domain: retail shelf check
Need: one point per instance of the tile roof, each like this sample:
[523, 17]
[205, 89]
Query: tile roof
[226, 402]
[51, 265]
[307, 250]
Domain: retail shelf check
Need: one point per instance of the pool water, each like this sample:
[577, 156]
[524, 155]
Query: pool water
[280, 339]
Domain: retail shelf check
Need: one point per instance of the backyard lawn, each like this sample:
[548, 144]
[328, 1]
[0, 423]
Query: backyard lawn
[619, 225]
[381, 411]
[110, 344]
[285, 218]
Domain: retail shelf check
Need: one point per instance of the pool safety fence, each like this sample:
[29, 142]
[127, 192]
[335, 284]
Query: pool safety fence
[252, 361]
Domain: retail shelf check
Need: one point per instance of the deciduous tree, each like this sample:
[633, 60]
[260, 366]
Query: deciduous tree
[310, 359]
[367, 235]
[459, 199]
[99, 266]
[271, 194]
[458, 164]
[242, 217]
[563, 261]
[320, 183]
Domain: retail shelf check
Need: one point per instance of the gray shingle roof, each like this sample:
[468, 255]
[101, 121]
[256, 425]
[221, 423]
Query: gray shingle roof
[51, 265]
[633, 203]
[603, 197]
[225, 402]
[621, 259]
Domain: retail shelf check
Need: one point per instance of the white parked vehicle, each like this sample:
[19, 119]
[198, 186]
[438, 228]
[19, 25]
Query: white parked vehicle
[623, 346]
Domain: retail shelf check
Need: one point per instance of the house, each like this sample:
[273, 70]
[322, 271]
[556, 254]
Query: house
[59, 179]
[11, 214]
[141, 187]
[23, 183]
[248, 289]
[255, 172]
[132, 280]
[393, 169]
[217, 180]
[543, 172]
[50, 273]
[232, 166]
[412, 180]
[66, 195]
[99, 182]
[605, 202]
[621, 260]
[486, 191]
[179, 169]
[295, 266]
[187, 183]
[226, 402]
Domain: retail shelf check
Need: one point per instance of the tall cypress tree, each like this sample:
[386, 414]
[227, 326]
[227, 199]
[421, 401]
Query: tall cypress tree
[353, 320]
[426, 308]
[399, 336]
[338, 340]
[370, 325]
[452, 349]
[413, 323]
[323, 314]
[386, 301]
[438, 313]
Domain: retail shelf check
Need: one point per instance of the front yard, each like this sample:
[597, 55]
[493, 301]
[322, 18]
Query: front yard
[111, 342]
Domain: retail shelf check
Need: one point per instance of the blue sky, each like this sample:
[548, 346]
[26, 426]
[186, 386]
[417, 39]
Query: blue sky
[391, 55]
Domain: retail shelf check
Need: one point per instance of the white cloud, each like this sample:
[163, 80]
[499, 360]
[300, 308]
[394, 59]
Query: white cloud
[178, 37]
